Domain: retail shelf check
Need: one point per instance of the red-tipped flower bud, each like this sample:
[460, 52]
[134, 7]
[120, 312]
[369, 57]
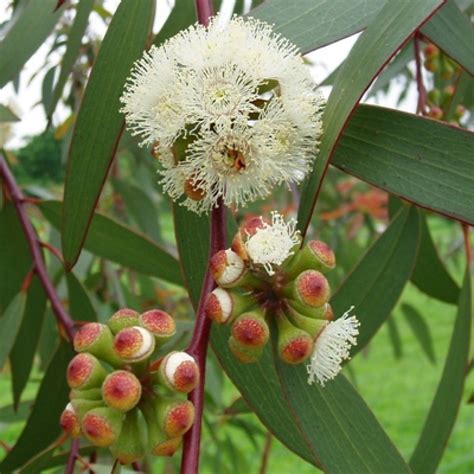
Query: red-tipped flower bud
[175, 417]
[227, 268]
[431, 50]
[251, 330]
[315, 255]
[121, 390]
[81, 407]
[159, 323]
[69, 422]
[294, 344]
[222, 306]
[134, 344]
[123, 318]
[310, 288]
[245, 354]
[96, 338]
[131, 444]
[179, 371]
[84, 372]
[102, 426]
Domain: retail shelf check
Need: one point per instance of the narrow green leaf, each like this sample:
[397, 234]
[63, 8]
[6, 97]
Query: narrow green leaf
[442, 415]
[47, 88]
[420, 329]
[421, 160]
[116, 242]
[99, 121]
[451, 30]
[6, 115]
[73, 45]
[15, 256]
[10, 414]
[42, 427]
[376, 283]
[395, 339]
[10, 324]
[26, 343]
[80, 306]
[387, 32]
[31, 24]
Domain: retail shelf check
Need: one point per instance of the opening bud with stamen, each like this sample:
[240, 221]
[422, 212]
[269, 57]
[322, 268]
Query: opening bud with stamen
[223, 306]
[134, 344]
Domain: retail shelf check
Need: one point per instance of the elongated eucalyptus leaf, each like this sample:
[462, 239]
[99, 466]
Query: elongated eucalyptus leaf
[10, 324]
[99, 121]
[424, 161]
[42, 427]
[395, 339]
[74, 41]
[31, 24]
[442, 415]
[24, 349]
[452, 31]
[15, 256]
[116, 242]
[377, 281]
[80, 306]
[387, 32]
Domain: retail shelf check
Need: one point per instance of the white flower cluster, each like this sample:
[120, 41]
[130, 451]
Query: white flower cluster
[231, 111]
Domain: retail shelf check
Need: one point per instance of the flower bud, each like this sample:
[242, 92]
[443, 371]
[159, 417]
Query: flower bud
[251, 330]
[167, 447]
[81, 407]
[245, 354]
[84, 372]
[123, 318]
[436, 113]
[227, 268]
[247, 230]
[432, 64]
[222, 306]
[310, 325]
[96, 338]
[159, 323]
[431, 50]
[102, 426]
[121, 390]
[179, 372]
[315, 255]
[459, 112]
[89, 394]
[69, 422]
[310, 288]
[174, 416]
[131, 445]
[134, 344]
[294, 344]
[447, 70]
[308, 311]
[434, 97]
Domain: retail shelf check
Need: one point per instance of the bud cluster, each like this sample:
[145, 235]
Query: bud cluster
[264, 276]
[123, 399]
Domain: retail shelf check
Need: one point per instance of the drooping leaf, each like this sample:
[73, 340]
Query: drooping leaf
[10, 324]
[442, 415]
[421, 160]
[80, 305]
[42, 427]
[15, 256]
[375, 284]
[395, 339]
[420, 329]
[451, 30]
[6, 115]
[32, 23]
[74, 41]
[99, 122]
[12, 414]
[116, 242]
[47, 88]
[387, 32]
[26, 343]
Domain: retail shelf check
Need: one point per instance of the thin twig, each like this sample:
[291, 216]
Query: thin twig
[63, 318]
[467, 243]
[421, 105]
[266, 453]
[52, 249]
[72, 456]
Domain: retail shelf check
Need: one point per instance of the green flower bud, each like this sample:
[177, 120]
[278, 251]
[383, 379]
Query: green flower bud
[121, 390]
[175, 417]
[69, 422]
[178, 371]
[123, 318]
[160, 324]
[81, 407]
[134, 344]
[432, 64]
[84, 372]
[315, 255]
[251, 330]
[431, 51]
[102, 426]
[434, 97]
[294, 345]
[131, 444]
[310, 325]
[89, 394]
[310, 288]
[245, 354]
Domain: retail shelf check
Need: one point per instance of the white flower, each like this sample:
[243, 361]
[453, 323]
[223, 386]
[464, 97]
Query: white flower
[332, 347]
[273, 243]
[236, 105]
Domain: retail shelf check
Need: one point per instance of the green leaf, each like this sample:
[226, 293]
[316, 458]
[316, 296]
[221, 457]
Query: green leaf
[421, 160]
[80, 306]
[73, 45]
[420, 329]
[31, 24]
[47, 88]
[179, 19]
[375, 284]
[24, 349]
[442, 415]
[430, 274]
[394, 336]
[6, 115]
[10, 324]
[15, 256]
[42, 427]
[116, 242]
[387, 32]
[99, 122]
[11, 414]
[451, 30]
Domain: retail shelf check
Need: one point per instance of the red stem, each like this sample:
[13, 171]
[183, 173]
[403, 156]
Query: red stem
[17, 198]
[72, 456]
[421, 106]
